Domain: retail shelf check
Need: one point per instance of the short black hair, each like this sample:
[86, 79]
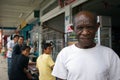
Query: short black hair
[25, 47]
[45, 45]
[21, 37]
[94, 16]
[16, 36]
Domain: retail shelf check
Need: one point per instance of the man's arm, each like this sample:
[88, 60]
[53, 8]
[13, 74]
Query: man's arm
[9, 44]
[60, 79]
[52, 67]
[28, 73]
[114, 67]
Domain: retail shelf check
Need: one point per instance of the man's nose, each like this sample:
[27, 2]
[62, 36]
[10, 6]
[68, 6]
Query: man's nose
[85, 31]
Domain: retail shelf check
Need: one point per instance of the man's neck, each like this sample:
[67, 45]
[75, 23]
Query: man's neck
[85, 46]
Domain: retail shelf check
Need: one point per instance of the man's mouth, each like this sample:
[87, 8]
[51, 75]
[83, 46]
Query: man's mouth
[85, 39]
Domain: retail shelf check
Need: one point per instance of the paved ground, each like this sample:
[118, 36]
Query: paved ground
[3, 68]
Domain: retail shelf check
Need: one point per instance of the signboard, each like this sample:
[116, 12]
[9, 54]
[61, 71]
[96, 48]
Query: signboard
[23, 24]
[69, 28]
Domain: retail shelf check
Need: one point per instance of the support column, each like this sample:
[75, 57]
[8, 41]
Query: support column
[40, 39]
[68, 20]
[40, 34]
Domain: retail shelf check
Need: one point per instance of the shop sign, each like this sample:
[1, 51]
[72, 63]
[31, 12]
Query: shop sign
[23, 24]
[69, 28]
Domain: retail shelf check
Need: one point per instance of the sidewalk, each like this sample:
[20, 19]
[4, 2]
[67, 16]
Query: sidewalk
[3, 68]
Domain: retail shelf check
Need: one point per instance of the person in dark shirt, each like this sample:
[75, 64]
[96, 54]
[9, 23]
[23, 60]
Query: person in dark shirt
[17, 47]
[19, 68]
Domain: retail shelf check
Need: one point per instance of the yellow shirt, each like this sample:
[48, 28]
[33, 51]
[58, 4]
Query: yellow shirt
[44, 64]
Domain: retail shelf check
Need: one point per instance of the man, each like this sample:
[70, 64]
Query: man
[16, 51]
[17, 47]
[19, 69]
[10, 46]
[45, 63]
[87, 60]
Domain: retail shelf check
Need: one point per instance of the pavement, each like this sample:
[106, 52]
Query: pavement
[3, 68]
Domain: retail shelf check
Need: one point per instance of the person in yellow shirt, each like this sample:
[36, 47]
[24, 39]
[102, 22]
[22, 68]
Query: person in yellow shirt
[45, 63]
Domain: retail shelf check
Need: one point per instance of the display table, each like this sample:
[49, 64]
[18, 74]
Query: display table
[33, 70]
[32, 67]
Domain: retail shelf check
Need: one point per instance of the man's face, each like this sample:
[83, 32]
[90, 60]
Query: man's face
[48, 50]
[16, 39]
[85, 29]
[20, 40]
[26, 51]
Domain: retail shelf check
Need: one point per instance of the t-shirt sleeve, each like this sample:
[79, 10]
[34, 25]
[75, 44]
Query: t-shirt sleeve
[114, 67]
[59, 69]
[50, 61]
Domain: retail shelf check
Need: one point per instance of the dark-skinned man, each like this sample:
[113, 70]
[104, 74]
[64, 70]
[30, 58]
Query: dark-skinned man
[86, 60]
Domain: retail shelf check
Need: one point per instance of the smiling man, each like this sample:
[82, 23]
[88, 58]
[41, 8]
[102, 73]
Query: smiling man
[86, 60]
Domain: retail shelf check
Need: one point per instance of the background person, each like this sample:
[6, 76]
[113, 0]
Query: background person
[86, 60]
[10, 46]
[17, 47]
[45, 63]
[19, 69]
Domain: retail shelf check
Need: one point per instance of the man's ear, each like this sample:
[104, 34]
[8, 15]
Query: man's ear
[72, 27]
[98, 24]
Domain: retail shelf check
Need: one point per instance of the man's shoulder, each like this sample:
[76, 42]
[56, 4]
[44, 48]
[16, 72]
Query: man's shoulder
[68, 49]
[16, 45]
[106, 50]
[39, 57]
[104, 47]
[69, 46]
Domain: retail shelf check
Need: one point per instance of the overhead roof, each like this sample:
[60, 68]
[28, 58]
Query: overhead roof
[14, 12]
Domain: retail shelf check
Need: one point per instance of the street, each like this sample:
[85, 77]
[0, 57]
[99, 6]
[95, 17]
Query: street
[3, 68]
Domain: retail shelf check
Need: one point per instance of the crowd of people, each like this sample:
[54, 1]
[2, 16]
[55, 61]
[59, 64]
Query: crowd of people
[84, 60]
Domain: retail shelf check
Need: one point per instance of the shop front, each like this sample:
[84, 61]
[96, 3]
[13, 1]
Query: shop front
[34, 38]
[53, 32]
[25, 31]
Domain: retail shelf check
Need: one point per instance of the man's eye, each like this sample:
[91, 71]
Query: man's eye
[79, 28]
[90, 27]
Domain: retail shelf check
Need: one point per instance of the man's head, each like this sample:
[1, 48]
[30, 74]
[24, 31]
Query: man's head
[25, 50]
[85, 27]
[20, 40]
[15, 38]
[47, 48]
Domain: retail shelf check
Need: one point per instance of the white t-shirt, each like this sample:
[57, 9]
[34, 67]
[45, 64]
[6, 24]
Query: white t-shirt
[10, 44]
[97, 63]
